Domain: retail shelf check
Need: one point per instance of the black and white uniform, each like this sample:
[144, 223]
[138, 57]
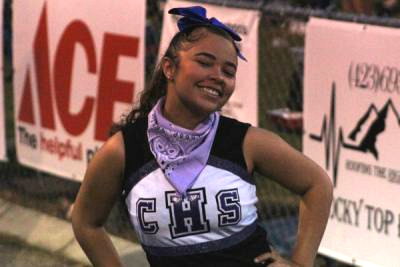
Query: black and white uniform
[215, 224]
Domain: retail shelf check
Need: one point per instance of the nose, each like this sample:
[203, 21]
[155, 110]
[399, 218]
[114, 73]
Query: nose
[217, 75]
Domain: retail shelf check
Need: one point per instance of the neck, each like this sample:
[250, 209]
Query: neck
[182, 117]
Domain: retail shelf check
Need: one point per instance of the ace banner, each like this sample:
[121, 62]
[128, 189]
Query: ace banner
[78, 66]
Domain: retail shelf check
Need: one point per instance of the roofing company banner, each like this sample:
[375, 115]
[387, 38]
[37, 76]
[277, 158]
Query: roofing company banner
[3, 154]
[352, 129]
[243, 104]
[78, 66]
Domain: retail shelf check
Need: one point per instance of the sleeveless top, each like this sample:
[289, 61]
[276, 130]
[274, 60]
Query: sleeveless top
[215, 224]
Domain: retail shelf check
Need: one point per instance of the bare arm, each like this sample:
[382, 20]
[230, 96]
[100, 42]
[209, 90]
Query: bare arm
[97, 195]
[269, 155]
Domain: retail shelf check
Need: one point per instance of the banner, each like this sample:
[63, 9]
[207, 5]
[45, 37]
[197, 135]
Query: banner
[352, 116]
[243, 104]
[78, 66]
[3, 146]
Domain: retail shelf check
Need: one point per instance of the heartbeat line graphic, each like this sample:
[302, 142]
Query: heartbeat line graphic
[333, 139]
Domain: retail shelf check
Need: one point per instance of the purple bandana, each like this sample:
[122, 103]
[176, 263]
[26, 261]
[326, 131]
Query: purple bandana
[181, 153]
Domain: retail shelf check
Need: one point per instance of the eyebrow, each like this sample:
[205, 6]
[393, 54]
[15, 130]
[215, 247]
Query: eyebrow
[211, 56]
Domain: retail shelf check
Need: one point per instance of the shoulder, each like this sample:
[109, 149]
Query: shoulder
[106, 168]
[257, 135]
[263, 147]
[261, 142]
[112, 153]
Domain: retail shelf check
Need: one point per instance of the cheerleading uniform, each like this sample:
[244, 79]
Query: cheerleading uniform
[214, 223]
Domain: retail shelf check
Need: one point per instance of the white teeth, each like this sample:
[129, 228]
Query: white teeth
[211, 91]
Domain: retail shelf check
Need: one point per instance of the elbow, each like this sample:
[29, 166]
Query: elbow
[321, 190]
[327, 189]
[75, 217]
[83, 224]
[79, 226]
[76, 223]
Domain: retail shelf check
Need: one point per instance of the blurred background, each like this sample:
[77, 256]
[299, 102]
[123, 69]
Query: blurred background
[280, 89]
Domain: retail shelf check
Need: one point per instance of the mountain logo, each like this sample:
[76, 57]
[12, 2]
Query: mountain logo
[333, 138]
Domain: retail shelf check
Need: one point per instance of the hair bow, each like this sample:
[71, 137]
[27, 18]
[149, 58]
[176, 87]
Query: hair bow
[196, 15]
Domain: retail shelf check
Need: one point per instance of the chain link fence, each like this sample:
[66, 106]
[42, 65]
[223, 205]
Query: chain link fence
[281, 53]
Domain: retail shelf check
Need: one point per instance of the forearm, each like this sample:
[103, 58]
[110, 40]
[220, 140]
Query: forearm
[97, 246]
[313, 216]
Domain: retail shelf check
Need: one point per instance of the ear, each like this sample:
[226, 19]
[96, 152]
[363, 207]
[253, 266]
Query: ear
[169, 68]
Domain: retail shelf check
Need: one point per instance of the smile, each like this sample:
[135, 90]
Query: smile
[211, 91]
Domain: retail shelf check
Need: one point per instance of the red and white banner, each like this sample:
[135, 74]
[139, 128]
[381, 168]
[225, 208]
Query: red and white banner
[3, 146]
[243, 105]
[78, 66]
[352, 129]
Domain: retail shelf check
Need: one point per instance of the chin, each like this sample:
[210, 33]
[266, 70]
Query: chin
[212, 107]
[205, 110]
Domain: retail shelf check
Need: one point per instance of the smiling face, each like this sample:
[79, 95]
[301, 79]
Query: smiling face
[203, 80]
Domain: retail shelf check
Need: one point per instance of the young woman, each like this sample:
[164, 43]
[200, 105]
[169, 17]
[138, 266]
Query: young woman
[185, 171]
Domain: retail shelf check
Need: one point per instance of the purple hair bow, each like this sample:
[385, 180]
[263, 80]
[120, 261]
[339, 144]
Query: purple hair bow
[196, 15]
